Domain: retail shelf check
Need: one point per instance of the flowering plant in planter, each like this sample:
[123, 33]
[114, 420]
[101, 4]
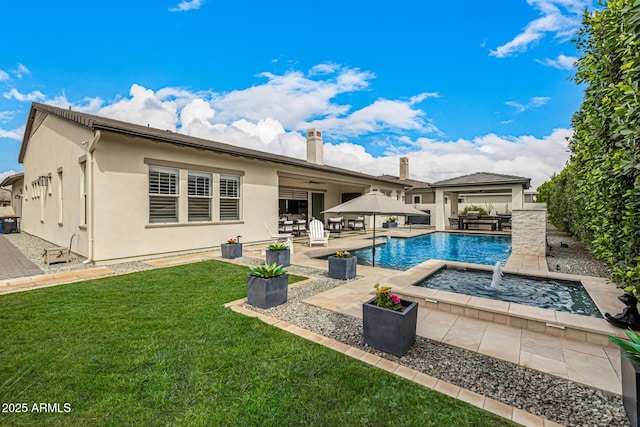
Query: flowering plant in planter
[386, 299]
[343, 254]
[232, 241]
[392, 219]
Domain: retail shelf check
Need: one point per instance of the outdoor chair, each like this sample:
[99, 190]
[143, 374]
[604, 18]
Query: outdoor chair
[336, 224]
[356, 224]
[287, 237]
[317, 233]
[453, 222]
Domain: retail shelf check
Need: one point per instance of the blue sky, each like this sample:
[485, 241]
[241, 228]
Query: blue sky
[458, 87]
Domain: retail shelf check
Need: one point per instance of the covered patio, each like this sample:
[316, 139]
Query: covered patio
[487, 184]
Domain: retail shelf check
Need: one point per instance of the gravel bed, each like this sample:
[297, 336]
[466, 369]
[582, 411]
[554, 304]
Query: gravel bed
[567, 255]
[553, 398]
[33, 248]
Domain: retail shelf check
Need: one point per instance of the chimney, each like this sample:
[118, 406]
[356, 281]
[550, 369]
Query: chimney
[314, 147]
[404, 168]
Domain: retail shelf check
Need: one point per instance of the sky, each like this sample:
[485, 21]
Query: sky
[457, 87]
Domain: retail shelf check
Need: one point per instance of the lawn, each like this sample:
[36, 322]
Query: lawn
[158, 348]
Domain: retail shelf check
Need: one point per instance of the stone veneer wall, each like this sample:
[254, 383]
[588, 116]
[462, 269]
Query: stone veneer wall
[529, 230]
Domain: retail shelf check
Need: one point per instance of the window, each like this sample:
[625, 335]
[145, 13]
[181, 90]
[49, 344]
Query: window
[163, 195]
[199, 189]
[83, 193]
[229, 198]
[60, 197]
[417, 199]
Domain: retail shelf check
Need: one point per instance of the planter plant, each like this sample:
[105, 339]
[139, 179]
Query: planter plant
[391, 222]
[342, 265]
[388, 322]
[231, 249]
[630, 370]
[279, 254]
[267, 286]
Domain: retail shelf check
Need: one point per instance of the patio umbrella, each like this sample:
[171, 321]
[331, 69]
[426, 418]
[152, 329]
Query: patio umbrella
[374, 203]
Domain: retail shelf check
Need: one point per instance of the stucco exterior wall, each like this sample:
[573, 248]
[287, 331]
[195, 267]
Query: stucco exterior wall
[53, 151]
[529, 228]
[121, 200]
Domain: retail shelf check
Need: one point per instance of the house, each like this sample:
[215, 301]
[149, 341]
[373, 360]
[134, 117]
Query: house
[5, 198]
[130, 191]
[496, 193]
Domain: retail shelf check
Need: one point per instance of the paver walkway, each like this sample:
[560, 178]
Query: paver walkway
[13, 263]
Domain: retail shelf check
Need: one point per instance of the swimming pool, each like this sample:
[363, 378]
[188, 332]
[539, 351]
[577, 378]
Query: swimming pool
[403, 253]
[550, 294]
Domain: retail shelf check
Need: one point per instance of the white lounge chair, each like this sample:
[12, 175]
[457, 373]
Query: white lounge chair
[288, 237]
[317, 233]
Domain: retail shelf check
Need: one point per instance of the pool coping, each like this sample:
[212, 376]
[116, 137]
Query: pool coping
[555, 323]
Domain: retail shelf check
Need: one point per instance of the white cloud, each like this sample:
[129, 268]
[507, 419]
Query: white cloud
[272, 116]
[5, 116]
[30, 97]
[187, 5]
[562, 62]
[535, 102]
[434, 160]
[558, 17]
[15, 134]
[21, 71]
[4, 76]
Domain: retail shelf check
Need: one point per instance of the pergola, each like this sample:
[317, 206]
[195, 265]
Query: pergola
[480, 182]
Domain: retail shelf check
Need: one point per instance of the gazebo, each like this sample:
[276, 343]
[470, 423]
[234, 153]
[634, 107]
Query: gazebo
[485, 183]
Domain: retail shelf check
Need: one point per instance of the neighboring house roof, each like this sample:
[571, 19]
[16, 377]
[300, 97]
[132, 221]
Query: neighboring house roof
[5, 196]
[95, 123]
[482, 178]
[11, 179]
[412, 183]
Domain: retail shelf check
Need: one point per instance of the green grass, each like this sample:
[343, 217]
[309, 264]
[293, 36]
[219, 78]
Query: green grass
[158, 348]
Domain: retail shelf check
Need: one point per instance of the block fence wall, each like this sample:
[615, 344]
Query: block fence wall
[529, 230]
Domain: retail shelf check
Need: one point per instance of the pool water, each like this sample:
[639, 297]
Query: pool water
[550, 294]
[404, 253]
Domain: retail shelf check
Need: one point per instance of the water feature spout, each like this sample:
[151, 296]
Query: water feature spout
[497, 276]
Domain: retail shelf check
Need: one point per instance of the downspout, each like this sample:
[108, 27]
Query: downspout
[90, 191]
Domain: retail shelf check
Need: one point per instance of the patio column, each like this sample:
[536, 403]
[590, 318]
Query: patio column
[453, 201]
[517, 197]
[440, 212]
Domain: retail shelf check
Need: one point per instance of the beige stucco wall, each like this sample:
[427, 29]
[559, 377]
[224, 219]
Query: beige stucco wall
[529, 228]
[55, 145]
[121, 211]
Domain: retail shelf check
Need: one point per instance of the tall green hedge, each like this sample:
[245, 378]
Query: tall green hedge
[597, 196]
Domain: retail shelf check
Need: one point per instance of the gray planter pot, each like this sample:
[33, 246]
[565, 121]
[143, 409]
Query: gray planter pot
[342, 268]
[267, 293]
[389, 224]
[630, 388]
[231, 250]
[390, 331]
[282, 258]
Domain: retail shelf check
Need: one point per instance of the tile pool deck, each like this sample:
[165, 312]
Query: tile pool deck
[574, 348]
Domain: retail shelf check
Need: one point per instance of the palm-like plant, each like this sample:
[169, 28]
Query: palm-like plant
[631, 346]
[266, 271]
